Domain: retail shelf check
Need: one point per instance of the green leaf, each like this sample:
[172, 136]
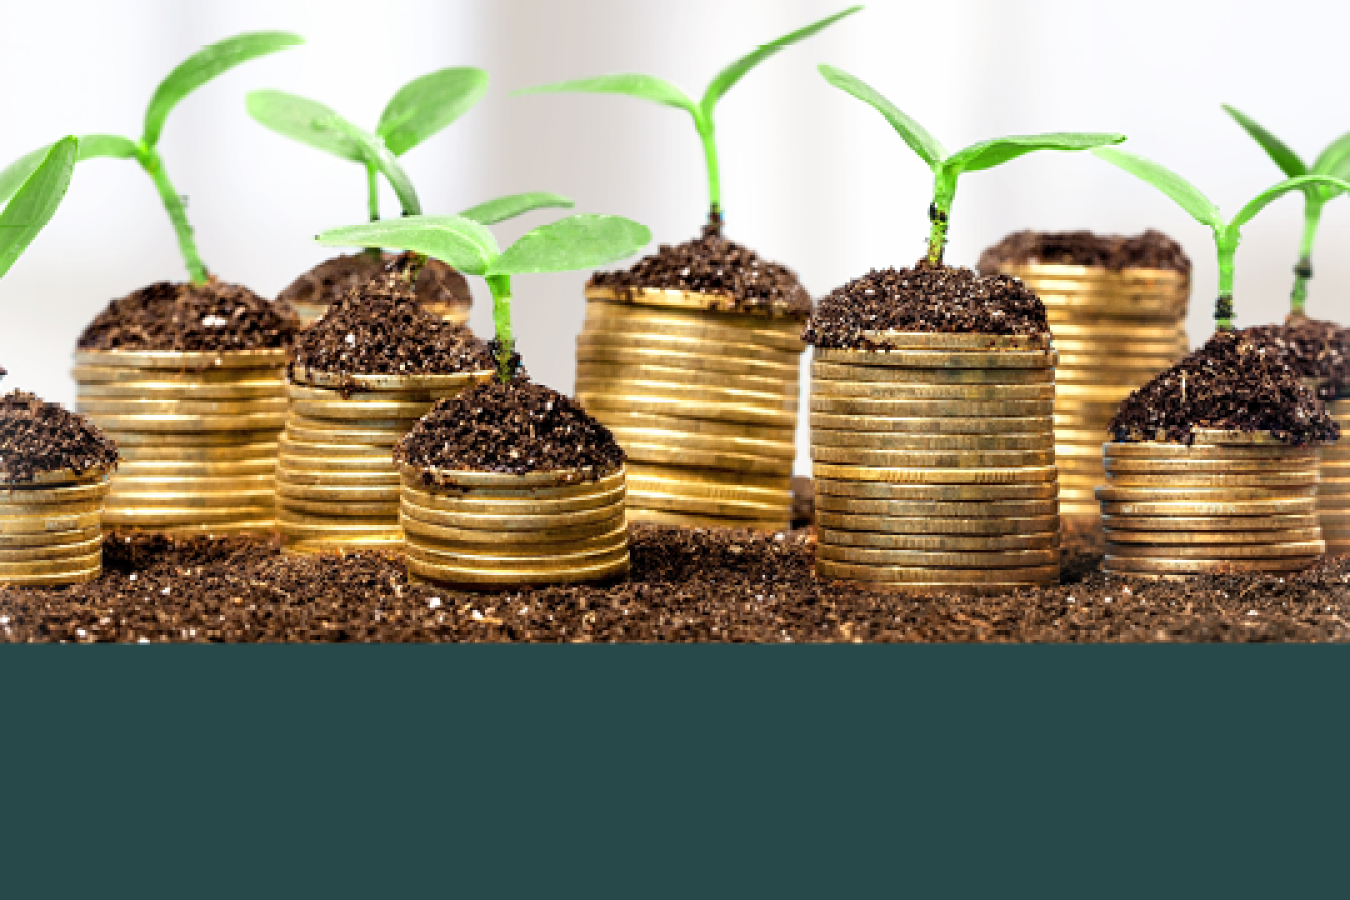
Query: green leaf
[733, 73]
[92, 146]
[106, 146]
[645, 87]
[303, 120]
[512, 205]
[1333, 161]
[1263, 199]
[35, 202]
[577, 242]
[425, 105]
[919, 140]
[459, 242]
[987, 154]
[205, 65]
[1170, 183]
[1278, 150]
[377, 154]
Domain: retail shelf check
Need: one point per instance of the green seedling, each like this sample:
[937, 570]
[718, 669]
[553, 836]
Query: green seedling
[1334, 161]
[1227, 235]
[658, 90]
[419, 109]
[34, 203]
[191, 74]
[576, 242]
[947, 167]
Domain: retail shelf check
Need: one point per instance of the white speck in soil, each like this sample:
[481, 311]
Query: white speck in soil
[434, 602]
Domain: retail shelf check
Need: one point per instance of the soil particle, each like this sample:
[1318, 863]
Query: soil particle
[189, 317]
[926, 298]
[331, 280]
[42, 437]
[714, 265]
[1314, 349]
[1232, 383]
[516, 427]
[1150, 250]
[687, 585]
[380, 329]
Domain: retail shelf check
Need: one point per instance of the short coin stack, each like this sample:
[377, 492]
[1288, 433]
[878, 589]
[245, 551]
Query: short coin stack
[197, 432]
[934, 463]
[492, 530]
[1114, 330]
[337, 487]
[1230, 499]
[703, 402]
[51, 530]
[1333, 490]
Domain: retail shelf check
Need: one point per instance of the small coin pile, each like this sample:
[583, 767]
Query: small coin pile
[934, 463]
[488, 529]
[197, 433]
[337, 487]
[1114, 330]
[1333, 490]
[1230, 499]
[51, 529]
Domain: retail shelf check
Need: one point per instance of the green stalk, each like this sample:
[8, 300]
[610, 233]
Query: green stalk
[1312, 216]
[500, 285]
[707, 133]
[173, 203]
[1223, 306]
[939, 214]
[373, 192]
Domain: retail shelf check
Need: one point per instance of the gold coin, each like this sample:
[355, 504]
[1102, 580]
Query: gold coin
[607, 375]
[133, 377]
[894, 557]
[1096, 347]
[321, 508]
[565, 557]
[1333, 503]
[653, 453]
[1116, 333]
[307, 450]
[300, 432]
[687, 520]
[52, 551]
[701, 443]
[501, 487]
[702, 506]
[443, 384]
[651, 403]
[411, 509]
[159, 518]
[602, 342]
[501, 506]
[981, 425]
[430, 532]
[943, 579]
[955, 510]
[1235, 438]
[928, 524]
[696, 427]
[944, 342]
[940, 493]
[186, 424]
[1151, 524]
[1209, 538]
[914, 459]
[600, 321]
[1155, 450]
[275, 406]
[1094, 393]
[842, 545]
[47, 567]
[459, 575]
[1113, 493]
[309, 478]
[121, 502]
[365, 543]
[337, 466]
[1216, 551]
[46, 538]
[900, 390]
[778, 401]
[962, 409]
[143, 465]
[81, 576]
[184, 361]
[51, 495]
[1129, 565]
[672, 483]
[1189, 508]
[133, 441]
[47, 524]
[610, 541]
[303, 526]
[734, 365]
[970, 475]
[363, 415]
[689, 300]
[177, 391]
[133, 481]
[825, 437]
[340, 493]
[13, 513]
[940, 359]
[860, 370]
[57, 478]
[711, 479]
[1210, 479]
[326, 397]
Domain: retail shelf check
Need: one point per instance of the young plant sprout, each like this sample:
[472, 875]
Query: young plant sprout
[576, 242]
[419, 109]
[191, 74]
[34, 203]
[947, 167]
[658, 90]
[1227, 235]
[1334, 161]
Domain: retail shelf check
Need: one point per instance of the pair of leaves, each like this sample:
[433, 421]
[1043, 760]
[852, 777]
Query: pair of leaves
[1334, 161]
[35, 202]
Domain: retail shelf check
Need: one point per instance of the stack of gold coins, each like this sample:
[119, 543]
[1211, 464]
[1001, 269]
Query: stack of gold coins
[1114, 330]
[704, 404]
[1230, 499]
[935, 463]
[197, 433]
[493, 530]
[51, 529]
[1333, 490]
[337, 487]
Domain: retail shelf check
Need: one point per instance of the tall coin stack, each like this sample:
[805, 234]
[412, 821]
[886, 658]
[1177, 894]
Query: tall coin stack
[703, 402]
[1230, 499]
[1114, 330]
[337, 487]
[934, 463]
[493, 530]
[51, 530]
[197, 432]
[1333, 490]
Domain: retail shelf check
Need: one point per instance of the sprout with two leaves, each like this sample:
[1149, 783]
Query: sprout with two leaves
[1227, 235]
[947, 167]
[34, 203]
[1333, 162]
[191, 74]
[576, 242]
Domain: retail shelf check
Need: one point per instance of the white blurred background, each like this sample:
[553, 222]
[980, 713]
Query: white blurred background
[811, 177]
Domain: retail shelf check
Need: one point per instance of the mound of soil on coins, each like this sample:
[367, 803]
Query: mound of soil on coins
[38, 437]
[926, 298]
[331, 280]
[189, 317]
[714, 265]
[379, 328]
[1232, 383]
[1150, 250]
[517, 427]
[1314, 349]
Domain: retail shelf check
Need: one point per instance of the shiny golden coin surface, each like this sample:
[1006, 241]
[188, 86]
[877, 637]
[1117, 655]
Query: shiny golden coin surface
[929, 409]
[584, 480]
[935, 525]
[80, 576]
[383, 544]
[971, 475]
[183, 361]
[918, 459]
[1277, 506]
[642, 452]
[176, 454]
[304, 477]
[934, 443]
[602, 323]
[51, 551]
[695, 393]
[729, 365]
[942, 342]
[702, 506]
[713, 479]
[429, 532]
[340, 493]
[54, 478]
[610, 541]
[1216, 550]
[504, 506]
[686, 520]
[292, 526]
[597, 343]
[700, 443]
[410, 509]
[1270, 480]
[459, 575]
[955, 578]
[49, 495]
[121, 501]
[887, 556]
[900, 390]
[1235, 438]
[696, 427]
[751, 414]
[1260, 522]
[43, 567]
[131, 378]
[642, 298]
[514, 487]
[848, 541]
[134, 441]
[174, 391]
[992, 509]
[307, 450]
[199, 470]
[188, 424]
[322, 508]
[302, 432]
[976, 425]
[13, 513]
[336, 465]
[449, 383]
[1128, 565]
[154, 407]
[1210, 538]
[942, 493]
[15, 541]
[860, 370]
[943, 359]
[672, 483]
[200, 520]
[1158, 451]
[610, 374]
[565, 557]
[47, 524]
[368, 416]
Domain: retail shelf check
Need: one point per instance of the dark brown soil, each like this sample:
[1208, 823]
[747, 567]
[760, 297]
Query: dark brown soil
[1231, 383]
[803, 502]
[380, 329]
[926, 298]
[188, 317]
[515, 428]
[1150, 250]
[1313, 349]
[686, 585]
[42, 437]
[332, 279]
[714, 265]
